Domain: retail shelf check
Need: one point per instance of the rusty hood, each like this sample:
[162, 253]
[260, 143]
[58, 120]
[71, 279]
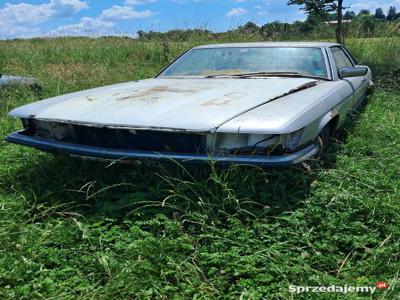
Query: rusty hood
[184, 104]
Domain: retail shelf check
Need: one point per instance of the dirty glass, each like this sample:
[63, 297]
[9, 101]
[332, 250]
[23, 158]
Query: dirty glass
[221, 61]
[341, 60]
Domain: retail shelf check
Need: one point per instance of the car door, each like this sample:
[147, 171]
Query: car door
[359, 84]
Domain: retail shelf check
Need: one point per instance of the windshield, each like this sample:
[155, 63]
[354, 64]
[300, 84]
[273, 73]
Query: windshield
[233, 61]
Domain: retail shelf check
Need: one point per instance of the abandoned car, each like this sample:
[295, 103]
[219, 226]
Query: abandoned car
[269, 104]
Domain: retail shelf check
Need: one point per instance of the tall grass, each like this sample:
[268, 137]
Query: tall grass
[381, 54]
[78, 229]
[83, 62]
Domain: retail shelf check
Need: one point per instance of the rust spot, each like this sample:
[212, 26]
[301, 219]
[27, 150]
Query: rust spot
[236, 95]
[303, 87]
[152, 95]
[225, 100]
[334, 113]
[217, 102]
[298, 89]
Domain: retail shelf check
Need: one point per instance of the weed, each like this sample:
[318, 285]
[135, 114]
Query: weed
[80, 229]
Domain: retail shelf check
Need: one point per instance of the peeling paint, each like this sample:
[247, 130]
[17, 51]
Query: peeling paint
[190, 104]
[334, 113]
[153, 94]
[217, 102]
[236, 95]
[298, 89]
[226, 99]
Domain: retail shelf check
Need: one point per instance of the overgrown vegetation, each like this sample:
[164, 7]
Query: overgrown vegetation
[77, 229]
[316, 26]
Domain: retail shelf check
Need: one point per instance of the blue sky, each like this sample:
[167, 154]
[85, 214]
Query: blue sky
[31, 18]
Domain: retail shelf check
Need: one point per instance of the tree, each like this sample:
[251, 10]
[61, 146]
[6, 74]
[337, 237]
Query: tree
[391, 15]
[379, 14]
[325, 8]
[249, 28]
[364, 12]
[302, 27]
[314, 19]
[274, 29]
[349, 15]
[366, 23]
[141, 34]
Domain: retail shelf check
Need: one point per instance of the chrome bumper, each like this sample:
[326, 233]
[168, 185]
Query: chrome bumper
[99, 153]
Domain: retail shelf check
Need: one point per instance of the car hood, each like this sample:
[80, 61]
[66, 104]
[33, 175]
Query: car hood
[183, 104]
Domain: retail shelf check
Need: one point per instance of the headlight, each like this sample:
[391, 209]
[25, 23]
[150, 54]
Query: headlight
[261, 144]
[292, 140]
[231, 142]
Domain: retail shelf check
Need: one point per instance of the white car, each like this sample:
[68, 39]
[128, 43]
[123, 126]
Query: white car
[269, 104]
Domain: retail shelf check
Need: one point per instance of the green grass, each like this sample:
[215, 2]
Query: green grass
[76, 229]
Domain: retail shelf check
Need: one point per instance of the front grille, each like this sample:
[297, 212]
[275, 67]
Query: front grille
[142, 140]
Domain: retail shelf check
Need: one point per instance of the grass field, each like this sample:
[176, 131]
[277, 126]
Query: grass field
[87, 230]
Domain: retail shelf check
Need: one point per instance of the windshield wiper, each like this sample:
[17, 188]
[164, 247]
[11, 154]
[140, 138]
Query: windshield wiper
[254, 74]
[267, 74]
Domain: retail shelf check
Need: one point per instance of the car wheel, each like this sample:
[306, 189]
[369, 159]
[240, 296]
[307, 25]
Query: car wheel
[322, 142]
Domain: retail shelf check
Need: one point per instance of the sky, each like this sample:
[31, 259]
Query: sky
[32, 18]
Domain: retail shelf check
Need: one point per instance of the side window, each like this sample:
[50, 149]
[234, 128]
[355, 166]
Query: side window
[351, 55]
[341, 59]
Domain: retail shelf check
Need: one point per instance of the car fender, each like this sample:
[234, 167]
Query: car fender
[312, 131]
[327, 118]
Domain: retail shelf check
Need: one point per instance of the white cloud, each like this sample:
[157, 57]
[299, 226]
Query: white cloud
[372, 5]
[24, 13]
[186, 1]
[103, 23]
[22, 19]
[87, 26]
[138, 2]
[19, 18]
[124, 13]
[236, 12]
[261, 11]
[66, 8]
[180, 1]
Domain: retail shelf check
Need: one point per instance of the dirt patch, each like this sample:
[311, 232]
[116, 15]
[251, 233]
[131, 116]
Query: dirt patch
[72, 71]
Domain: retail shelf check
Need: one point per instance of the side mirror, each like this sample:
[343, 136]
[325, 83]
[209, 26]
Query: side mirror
[353, 72]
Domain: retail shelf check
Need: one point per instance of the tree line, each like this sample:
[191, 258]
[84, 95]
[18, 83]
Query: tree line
[332, 11]
[325, 19]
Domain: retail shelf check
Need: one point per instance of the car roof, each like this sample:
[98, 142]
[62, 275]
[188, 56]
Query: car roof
[269, 44]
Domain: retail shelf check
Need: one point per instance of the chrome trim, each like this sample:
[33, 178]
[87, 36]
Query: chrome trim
[99, 153]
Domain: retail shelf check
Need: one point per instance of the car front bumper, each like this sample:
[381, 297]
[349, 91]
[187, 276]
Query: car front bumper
[100, 153]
